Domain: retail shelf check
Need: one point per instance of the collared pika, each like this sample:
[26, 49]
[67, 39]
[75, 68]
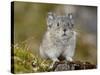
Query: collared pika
[59, 39]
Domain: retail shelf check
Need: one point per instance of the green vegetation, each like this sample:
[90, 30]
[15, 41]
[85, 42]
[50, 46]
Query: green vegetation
[26, 61]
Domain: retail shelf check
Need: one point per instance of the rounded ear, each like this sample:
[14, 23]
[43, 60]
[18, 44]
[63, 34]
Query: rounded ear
[50, 19]
[70, 16]
[51, 16]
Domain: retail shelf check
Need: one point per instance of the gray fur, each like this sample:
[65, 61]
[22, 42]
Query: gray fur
[59, 39]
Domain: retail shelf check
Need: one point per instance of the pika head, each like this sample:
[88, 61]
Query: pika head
[60, 26]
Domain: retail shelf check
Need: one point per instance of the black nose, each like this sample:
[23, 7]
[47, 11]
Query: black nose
[64, 30]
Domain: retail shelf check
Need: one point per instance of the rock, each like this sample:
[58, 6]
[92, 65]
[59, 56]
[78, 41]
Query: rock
[76, 65]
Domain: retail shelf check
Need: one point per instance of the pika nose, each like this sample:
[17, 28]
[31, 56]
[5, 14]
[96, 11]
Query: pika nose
[64, 30]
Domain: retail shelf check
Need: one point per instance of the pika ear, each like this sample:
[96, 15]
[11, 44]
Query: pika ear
[51, 16]
[50, 19]
[70, 16]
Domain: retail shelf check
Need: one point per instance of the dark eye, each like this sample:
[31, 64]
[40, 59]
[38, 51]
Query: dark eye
[49, 26]
[57, 24]
[72, 25]
[69, 26]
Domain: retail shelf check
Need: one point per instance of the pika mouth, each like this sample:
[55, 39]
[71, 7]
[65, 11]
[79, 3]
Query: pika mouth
[64, 34]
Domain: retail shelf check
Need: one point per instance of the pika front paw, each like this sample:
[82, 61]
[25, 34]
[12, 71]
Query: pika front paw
[69, 59]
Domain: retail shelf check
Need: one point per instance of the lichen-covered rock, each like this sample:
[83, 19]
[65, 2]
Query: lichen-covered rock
[77, 65]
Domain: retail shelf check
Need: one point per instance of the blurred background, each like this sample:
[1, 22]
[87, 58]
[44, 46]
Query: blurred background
[30, 26]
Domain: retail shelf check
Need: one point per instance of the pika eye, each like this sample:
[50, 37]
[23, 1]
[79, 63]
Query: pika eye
[57, 24]
[50, 25]
[72, 25]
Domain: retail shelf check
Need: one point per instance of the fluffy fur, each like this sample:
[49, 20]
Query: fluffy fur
[59, 39]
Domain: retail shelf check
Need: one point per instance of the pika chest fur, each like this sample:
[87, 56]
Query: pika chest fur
[59, 39]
